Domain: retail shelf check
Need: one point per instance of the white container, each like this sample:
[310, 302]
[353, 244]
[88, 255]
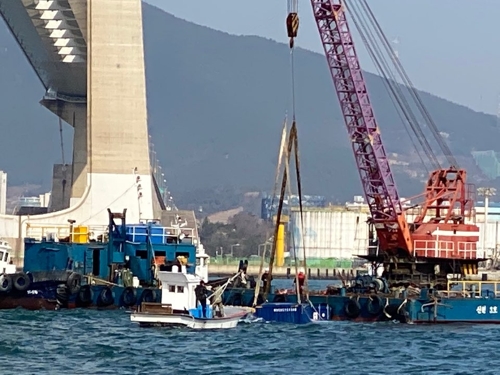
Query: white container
[135, 282]
[329, 233]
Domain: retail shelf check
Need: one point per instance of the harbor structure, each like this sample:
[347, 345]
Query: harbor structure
[89, 56]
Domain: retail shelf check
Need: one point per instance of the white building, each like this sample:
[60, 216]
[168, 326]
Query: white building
[341, 232]
[3, 192]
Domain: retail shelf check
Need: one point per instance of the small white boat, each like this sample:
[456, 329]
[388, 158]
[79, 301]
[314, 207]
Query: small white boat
[178, 305]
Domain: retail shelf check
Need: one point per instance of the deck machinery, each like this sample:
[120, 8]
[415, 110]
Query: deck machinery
[443, 238]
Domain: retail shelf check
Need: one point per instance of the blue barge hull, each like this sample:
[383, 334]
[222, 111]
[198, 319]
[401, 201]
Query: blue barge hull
[356, 308]
[286, 312]
[422, 308]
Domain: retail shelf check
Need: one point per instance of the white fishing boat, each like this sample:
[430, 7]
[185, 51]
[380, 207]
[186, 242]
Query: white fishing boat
[179, 306]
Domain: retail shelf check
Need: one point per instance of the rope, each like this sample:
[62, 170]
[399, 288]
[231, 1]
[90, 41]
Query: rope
[218, 292]
[292, 68]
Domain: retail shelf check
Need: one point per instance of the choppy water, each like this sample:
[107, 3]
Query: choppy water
[106, 342]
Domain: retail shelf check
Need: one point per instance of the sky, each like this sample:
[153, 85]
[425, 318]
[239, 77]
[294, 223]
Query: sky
[448, 47]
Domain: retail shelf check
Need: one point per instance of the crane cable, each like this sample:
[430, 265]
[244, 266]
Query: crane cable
[413, 91]
[292, 26]
[402, 106]
[361, 23]
[292, 23]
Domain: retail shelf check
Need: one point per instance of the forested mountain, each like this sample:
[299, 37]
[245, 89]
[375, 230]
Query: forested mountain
[216, 104]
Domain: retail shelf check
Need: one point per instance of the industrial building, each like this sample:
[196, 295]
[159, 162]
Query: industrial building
[333, 235]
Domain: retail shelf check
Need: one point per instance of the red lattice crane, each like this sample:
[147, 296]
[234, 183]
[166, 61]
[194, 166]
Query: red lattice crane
[447, 196]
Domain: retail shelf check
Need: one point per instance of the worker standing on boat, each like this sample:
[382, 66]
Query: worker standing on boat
[217, 300]
[301, 277]
[266, 278]
[201, 296]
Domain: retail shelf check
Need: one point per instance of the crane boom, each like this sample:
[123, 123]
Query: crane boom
[373, 165]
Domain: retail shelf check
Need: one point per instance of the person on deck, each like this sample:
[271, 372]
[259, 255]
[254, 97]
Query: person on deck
[266, 278]
[217, 301]
[301, 277]
[201, 296]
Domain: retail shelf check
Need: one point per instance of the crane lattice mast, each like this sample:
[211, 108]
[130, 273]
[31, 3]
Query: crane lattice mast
[364, 133]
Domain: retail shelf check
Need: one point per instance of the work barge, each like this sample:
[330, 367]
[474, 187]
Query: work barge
[425, 264]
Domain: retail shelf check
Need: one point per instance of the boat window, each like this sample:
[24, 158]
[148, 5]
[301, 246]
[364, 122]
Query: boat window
[171, 288]
[6, 256]
[1, 255]
[198, 261]
[180, 289]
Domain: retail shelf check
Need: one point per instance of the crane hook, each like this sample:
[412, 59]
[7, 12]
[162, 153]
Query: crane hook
[292, 26]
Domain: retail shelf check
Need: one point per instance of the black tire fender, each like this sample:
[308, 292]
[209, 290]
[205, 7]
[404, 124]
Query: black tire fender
[85, 295]
[106, 297]
[74, 281]
[352, 308]
[129, 296]
[21, 281]
[375, 304]
[6, 283]
[148, 295]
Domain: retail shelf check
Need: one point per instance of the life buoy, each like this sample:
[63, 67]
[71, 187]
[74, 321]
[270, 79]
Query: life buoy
[105, 297]
[74, 281]
[5, 283]
[148, 295]
[129, 296]
[21, 281]
[352, 309]
[375, 304]
[85, 295]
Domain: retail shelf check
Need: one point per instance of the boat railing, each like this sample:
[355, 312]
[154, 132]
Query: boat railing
[471, 289]
[58, 232]
[445, 249]
[161, 234]
[155, 308]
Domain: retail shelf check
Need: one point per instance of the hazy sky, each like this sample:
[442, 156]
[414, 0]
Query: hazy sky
[448, 47]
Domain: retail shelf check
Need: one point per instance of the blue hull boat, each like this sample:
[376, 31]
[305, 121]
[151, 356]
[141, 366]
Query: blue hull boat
[287, 312]
[117, 269]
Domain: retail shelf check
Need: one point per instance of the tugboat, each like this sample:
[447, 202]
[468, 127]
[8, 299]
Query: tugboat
[179, 307]
[117, 268]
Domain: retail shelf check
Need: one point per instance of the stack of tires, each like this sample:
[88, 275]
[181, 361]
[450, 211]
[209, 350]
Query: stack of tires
[18, 281]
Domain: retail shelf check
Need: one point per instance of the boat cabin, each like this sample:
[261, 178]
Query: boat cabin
[178, 291]
[6, 264]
